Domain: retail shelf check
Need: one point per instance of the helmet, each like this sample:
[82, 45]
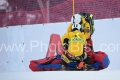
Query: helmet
[76, 26]
[76, 19]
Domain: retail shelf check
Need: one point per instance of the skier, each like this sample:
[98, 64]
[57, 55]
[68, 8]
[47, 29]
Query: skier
[77, 56]
[74, 42]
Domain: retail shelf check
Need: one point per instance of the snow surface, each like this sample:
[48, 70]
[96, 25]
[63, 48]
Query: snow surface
[62, 75]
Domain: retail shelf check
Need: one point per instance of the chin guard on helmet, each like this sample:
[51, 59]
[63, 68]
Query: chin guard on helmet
[76, 26]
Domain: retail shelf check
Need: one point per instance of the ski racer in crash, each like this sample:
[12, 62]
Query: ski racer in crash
[76, 56]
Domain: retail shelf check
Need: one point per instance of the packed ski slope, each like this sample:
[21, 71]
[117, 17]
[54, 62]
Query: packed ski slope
[62, 75]
[14, 64]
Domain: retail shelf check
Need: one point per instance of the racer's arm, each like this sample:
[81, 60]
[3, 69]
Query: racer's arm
[65, 39]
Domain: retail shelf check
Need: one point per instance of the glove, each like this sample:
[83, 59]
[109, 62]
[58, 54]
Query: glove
[65, 46]
[80, 65]
[85, 67]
